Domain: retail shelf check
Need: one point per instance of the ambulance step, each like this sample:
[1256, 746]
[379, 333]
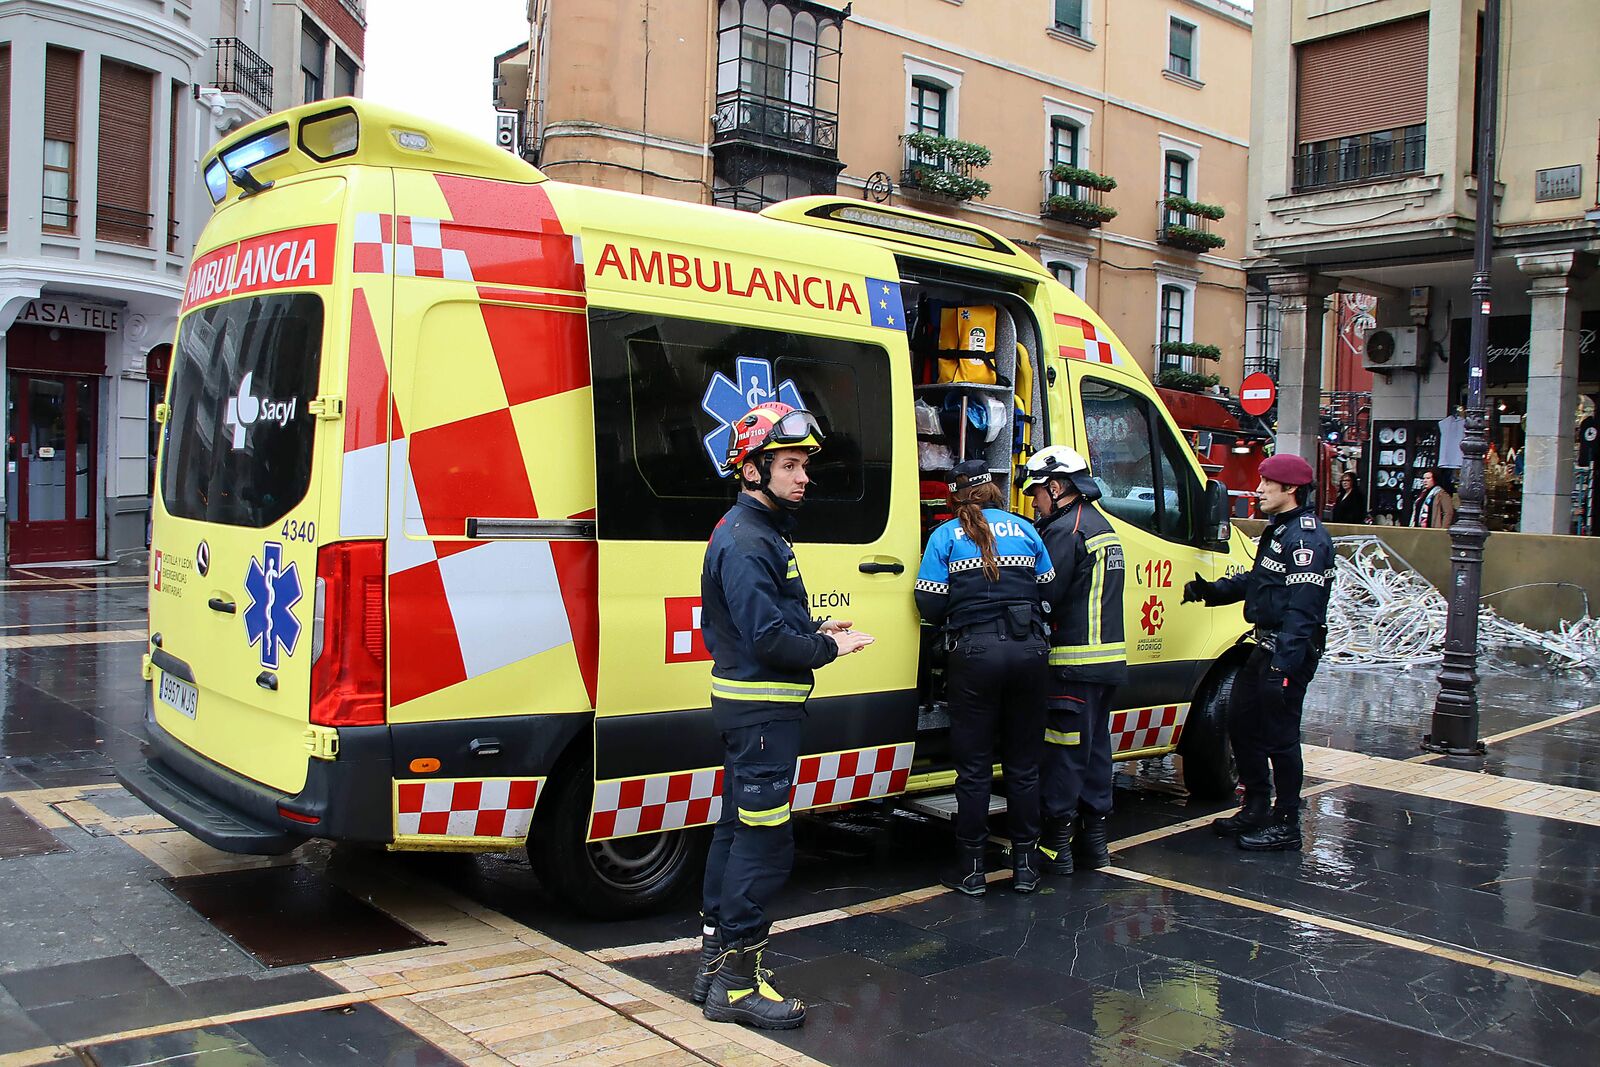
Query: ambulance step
[943, 805]
[175, 800]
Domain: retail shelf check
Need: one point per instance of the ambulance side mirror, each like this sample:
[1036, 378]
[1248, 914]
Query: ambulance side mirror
[1216, 525]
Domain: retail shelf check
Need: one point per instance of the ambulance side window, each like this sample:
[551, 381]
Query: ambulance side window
[665, 390]
[1138, 462]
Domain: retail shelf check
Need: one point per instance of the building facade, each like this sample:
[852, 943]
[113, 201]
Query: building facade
[102, 202]
[1362, 181]
[1107, 138]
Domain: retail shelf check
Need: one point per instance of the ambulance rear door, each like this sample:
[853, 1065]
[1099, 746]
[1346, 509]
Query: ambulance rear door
[686, 334]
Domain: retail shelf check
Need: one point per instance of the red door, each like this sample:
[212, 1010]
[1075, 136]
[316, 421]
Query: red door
[50, 467]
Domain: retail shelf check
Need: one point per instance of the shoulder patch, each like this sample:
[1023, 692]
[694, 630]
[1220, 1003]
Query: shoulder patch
[1308, 522]
[1302, 557]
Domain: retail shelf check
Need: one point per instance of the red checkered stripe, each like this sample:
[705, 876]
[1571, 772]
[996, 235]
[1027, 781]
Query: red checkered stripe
[646, 804]
[466, 807]
[407, 246]
[1141, 728]
[1096, 349]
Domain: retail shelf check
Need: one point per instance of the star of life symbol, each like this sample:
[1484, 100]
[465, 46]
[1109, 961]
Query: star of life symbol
[728, 399]
[269, 620]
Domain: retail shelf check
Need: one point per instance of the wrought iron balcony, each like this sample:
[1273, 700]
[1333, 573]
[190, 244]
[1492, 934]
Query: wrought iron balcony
[778, 122]
[1182, 226]
[1369, 157]
[240, 70]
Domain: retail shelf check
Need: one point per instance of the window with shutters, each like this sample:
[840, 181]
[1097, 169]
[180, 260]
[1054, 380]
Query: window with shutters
[174, 114]
[1180, 48]
[928, 110]
[313, 60]
[122, 206]
[1361, 113]
[344, 74]
[59, 209]
[5, 134]
[1070, 17]
[1063, 153]
[1175, 175]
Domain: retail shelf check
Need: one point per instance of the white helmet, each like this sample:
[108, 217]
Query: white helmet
[1059, 461]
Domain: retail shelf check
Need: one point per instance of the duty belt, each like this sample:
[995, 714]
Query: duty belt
[1267, 639]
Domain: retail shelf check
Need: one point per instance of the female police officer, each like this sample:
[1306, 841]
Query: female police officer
[983, 577]
[764, 645]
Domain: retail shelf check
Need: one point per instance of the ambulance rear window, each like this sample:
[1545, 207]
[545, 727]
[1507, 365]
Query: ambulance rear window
[239, 437]
[666, 390]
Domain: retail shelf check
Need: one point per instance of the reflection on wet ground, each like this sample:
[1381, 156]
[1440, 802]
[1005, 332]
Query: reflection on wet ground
[1410, 930]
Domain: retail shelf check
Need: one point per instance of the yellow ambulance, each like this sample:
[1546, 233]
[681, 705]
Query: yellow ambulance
[439, 459]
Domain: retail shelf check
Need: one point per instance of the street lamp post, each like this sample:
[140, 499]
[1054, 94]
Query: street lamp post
[1455, 711]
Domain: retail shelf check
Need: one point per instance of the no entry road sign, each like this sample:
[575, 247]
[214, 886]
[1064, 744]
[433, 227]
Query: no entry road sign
[1256, 394]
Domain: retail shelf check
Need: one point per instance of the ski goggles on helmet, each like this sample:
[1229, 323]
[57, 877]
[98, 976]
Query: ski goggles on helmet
[795, 429]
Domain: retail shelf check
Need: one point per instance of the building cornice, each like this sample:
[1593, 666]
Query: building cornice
[1224, 10]
[131, 25]
[1047, 79]
[84, 279]
[602, 131]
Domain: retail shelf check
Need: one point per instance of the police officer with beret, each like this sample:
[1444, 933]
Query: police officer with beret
[764, 646]
[1286, 596]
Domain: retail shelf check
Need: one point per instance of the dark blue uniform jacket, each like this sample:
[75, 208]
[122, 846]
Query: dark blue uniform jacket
[756, 618]
[1286, 592]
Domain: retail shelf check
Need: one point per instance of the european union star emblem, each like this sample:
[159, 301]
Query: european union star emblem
[883, 302]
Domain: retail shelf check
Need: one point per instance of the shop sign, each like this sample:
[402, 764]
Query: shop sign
[72, 314]
[1509, 348]
[1558, 183]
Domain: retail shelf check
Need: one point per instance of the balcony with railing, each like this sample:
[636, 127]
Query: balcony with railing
[59, 213]
[781, 123]
[1381, 155]
[1186, 224]
[240, 70]
[124, 225]
[943, 168]
[1076, 196]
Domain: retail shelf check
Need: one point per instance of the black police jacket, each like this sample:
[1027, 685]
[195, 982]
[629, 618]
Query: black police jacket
[1086, 620]
[1286, 592]
[756, 619]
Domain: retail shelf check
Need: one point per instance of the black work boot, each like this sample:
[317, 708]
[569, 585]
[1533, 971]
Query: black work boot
[1055, 844]
[710, 952]
[742, 993]
[1090, 850]
[1253, 814]
[1025, 866]
[1282, 834]
[966, 876]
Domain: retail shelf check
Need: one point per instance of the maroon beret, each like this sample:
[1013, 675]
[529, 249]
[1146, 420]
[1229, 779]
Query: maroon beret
[1287, 469]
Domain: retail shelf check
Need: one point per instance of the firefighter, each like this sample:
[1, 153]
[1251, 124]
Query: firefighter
[983, 579]
[1286, 595]
[1088, 659]
[764, 644]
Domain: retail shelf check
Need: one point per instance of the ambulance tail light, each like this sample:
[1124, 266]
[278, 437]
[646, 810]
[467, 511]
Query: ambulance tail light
[347, 668]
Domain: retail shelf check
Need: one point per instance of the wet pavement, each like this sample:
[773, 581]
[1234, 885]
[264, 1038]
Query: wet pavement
[1423, 922]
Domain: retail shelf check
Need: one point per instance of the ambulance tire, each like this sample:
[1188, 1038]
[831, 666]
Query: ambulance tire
[1209, 771]
[619, 879]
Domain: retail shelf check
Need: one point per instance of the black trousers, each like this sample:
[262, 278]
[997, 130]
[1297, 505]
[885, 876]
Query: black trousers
[1264, 726]
[996, 688]
[1076, 769]
[752, 848]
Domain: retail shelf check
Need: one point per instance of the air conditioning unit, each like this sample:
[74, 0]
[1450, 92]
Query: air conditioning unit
[1392, 348]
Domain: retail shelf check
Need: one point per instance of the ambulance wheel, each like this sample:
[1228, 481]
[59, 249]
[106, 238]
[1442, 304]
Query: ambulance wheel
[617, 879]
[1209, 772]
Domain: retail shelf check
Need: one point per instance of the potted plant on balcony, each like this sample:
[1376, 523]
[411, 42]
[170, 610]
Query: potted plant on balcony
[1182, 235]
[1190, 350]
[942, 166]
[1188, 381]
[1082, 209]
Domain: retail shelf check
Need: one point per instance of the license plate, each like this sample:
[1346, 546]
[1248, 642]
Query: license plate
[178, 695]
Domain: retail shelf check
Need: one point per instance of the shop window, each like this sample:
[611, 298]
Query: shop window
[664, 390]
[1140, 464]
[313, 59]
[1180, 47]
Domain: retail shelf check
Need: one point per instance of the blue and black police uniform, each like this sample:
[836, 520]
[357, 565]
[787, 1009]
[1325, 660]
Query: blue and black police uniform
[764, 644]
[1088, 660]
[1286, 595]
[997, 669]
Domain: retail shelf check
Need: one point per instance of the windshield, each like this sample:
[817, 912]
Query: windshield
[239, 436]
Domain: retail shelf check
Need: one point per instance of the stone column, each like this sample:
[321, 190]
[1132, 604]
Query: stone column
[1552, 389]
[1303, 302]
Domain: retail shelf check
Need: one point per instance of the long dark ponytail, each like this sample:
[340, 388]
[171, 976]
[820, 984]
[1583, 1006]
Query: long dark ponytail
[969, 504]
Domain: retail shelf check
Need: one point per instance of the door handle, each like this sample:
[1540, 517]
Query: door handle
[882, 568]
[267, 680]
[216, 603]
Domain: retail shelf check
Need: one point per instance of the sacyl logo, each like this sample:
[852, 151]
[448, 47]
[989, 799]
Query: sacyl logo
[246, 409]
